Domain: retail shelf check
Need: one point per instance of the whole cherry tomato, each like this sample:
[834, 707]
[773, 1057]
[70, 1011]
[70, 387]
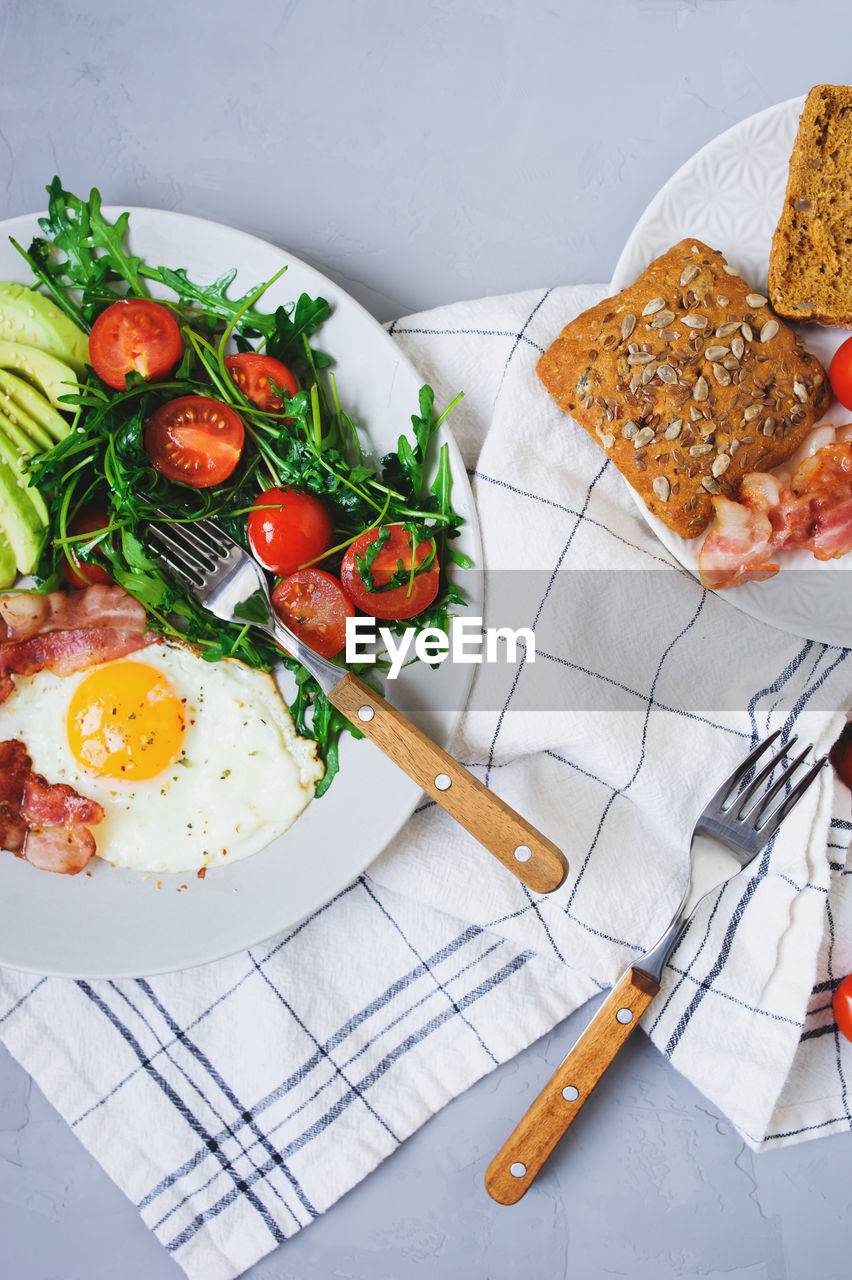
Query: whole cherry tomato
[287, 528]
[76, 571]
[840, 373]
[841, 1007]
[841, 756]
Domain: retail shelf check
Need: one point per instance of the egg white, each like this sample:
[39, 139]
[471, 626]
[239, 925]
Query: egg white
[242, 777]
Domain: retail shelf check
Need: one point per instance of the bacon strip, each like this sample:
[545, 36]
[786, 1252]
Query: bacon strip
[14, 764]
[26, 615]
[67, 651]
[46, 823]
[812, 511]
[67, 631]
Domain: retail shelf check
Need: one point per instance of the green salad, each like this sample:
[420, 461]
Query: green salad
[202, 405]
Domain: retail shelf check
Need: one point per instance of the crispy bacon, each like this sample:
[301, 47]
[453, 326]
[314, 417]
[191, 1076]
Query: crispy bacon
[65, 850]
[67, 631]
[14, 764]
[67, 651]
[808, 509]
[26, 615]
[52, 804]
[46, 823]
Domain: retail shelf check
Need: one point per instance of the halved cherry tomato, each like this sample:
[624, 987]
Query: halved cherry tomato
[404, 601]
[314, 606]
[256, 375]
[841, 1007]
[840, 373]
[77, 573]
[287, 528]
[841, 756]
[195, 440]
[134, 335]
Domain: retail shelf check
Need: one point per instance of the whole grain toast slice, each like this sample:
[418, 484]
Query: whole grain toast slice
[810, 264]
[687, 381]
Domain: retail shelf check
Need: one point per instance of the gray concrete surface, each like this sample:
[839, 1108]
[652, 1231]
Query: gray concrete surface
[418, 155]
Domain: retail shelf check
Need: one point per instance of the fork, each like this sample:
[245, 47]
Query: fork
[223, 577]
[735, 825]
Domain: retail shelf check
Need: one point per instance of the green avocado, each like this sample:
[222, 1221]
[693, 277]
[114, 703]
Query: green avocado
[15, 451]
[30, 317]
[50, 375]
[22, 523]
[8, 568]
[29, 408]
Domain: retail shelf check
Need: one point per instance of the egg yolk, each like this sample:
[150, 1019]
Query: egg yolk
[125, 721]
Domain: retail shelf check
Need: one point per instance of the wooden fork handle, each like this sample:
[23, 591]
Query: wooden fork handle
[534, 1139]
[525, 852]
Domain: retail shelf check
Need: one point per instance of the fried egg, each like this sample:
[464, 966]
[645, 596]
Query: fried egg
[196, 764]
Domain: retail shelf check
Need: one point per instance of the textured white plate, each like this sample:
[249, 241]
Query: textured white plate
[116, 923]
[730, 195]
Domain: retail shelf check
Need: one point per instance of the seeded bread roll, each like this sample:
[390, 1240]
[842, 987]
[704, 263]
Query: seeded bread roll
[687, 381]
[810, 265]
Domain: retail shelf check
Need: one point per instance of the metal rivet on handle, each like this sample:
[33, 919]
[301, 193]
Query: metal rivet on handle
[443, 782]
[624, 1016]
[523, 853]
[570, 1094]
[518, 1170]
[365, 713]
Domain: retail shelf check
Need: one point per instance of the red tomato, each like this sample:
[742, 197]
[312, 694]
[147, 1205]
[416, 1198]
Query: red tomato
[841, 756]
[77, 573]
[399, 602]
[314, 605]
[134, 335]
[253, 374]
[840, 373]
[287, 528]
[195, 440]
[841, 1007]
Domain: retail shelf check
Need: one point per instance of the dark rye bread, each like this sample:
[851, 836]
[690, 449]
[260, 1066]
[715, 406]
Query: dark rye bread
[810, 265]
[687, 381]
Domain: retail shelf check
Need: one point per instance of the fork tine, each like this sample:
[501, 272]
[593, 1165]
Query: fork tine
[773, 822]
[719, 798]
[214, 541]
[745, 796]
[761, 806]
[200, 560]
[175, 564]
[185, 542]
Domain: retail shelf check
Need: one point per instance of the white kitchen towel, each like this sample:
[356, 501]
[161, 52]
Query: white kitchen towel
[237, 1101]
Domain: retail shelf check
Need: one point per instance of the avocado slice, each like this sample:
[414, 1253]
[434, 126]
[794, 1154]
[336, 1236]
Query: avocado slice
[35, 433]
[50, 375]
[30, 409]
[8, 568]
[15, 451]
[29, 317]
[24, 527]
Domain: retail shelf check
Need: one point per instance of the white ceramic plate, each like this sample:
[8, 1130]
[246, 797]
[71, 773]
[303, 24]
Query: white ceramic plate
[730, 195]
[115, 923]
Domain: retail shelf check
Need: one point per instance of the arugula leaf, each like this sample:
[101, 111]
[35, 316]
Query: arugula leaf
[290, 328]
[211, 302]
[255, 609]
[95, 257]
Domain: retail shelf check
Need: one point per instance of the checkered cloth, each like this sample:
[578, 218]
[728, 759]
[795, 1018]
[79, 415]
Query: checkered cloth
[235, 1102]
